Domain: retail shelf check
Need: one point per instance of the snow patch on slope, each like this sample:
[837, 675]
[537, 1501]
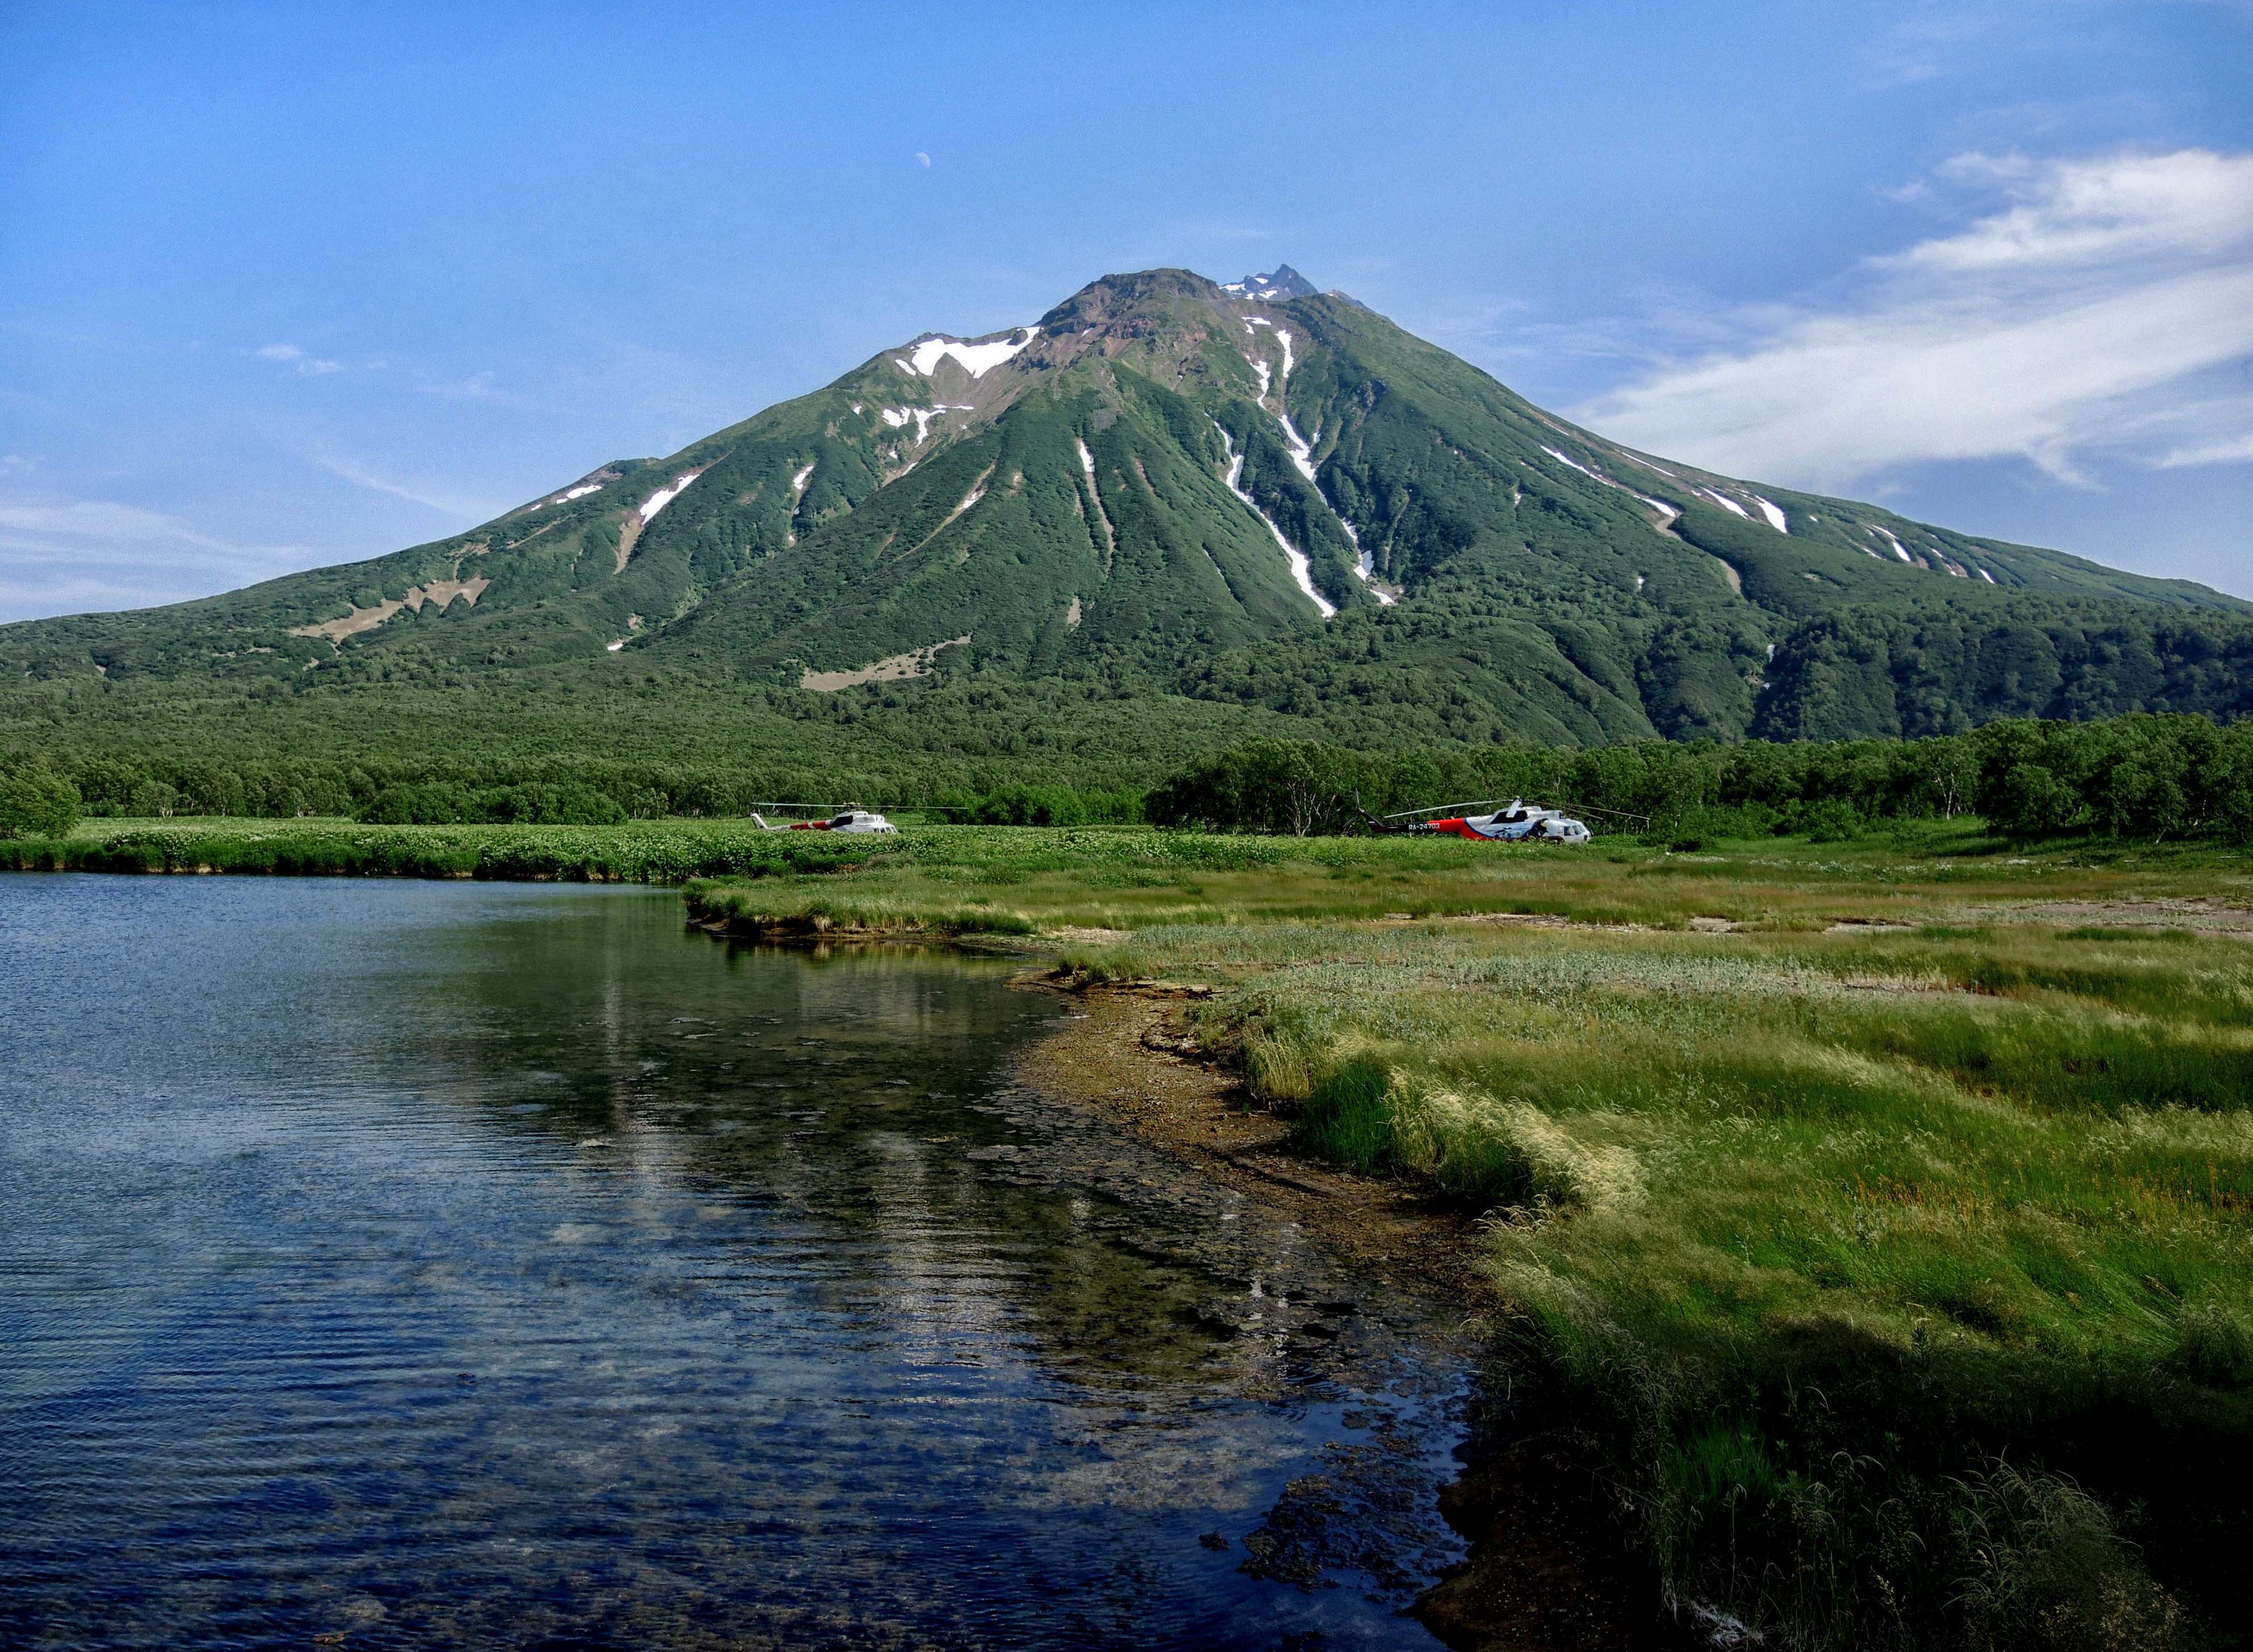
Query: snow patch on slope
[1774, 512]
[1086, 459]
[568, 494]
[1727, 503]
[897, 417]
[977, 359]
[664, 497]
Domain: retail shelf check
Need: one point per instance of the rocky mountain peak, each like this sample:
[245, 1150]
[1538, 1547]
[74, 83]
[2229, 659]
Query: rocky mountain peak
[1279, 283]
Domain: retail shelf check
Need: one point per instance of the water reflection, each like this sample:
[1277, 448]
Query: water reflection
[447, 1265]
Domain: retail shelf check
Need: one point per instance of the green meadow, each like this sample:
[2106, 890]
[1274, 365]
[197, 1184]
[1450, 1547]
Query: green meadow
[1878, 1216]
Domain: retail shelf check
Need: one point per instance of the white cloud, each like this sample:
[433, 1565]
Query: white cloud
[2083, 313]
[296, 358]
[2193, 203]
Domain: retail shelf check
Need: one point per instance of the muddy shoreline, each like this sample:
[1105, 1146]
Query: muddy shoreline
[1546, 1569]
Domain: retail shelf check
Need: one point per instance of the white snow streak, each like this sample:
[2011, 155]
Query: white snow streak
[1302, 456]
[977, 359]
[614, 647]
[1900, 549]
[1727, 503]
[1985, 574]
[902, 363]
[1302, 571]
[798, 482]
[1773, 513]
[1667, 514]
[1086, 459]
[895, 416]
[1577, 465]
[1303, 451]
[664, 497]
[568, 494]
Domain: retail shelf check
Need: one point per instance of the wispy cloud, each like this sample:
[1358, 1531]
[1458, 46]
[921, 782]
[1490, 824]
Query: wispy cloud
[296, 361]
[62, 556]
[419, 493]
[2086, 309]
[101, 530]
[479, 387]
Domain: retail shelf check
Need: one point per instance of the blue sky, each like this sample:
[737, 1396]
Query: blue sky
[290, 285]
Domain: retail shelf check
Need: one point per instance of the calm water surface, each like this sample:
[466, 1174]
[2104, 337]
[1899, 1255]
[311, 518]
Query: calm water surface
[428, 1264]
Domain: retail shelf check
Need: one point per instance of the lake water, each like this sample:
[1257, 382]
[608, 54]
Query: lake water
[402, 1265]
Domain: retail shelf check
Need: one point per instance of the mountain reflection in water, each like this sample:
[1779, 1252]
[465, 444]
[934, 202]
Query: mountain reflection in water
[430, 1264]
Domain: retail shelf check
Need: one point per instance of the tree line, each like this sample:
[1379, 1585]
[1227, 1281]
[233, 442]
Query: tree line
[2150, 776]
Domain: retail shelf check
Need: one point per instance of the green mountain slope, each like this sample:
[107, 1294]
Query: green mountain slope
[1166, 488]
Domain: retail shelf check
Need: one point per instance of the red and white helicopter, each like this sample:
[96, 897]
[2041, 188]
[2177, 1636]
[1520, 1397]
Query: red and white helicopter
[1517, 821]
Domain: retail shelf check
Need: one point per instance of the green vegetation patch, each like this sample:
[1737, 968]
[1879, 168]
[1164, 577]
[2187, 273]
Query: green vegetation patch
[635, 851]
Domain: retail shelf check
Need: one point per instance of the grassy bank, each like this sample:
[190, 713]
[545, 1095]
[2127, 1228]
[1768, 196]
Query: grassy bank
[634, 852]
[1884, 1209]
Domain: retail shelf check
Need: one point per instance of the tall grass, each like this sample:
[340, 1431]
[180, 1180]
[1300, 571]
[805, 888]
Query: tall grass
[1845, 1250]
